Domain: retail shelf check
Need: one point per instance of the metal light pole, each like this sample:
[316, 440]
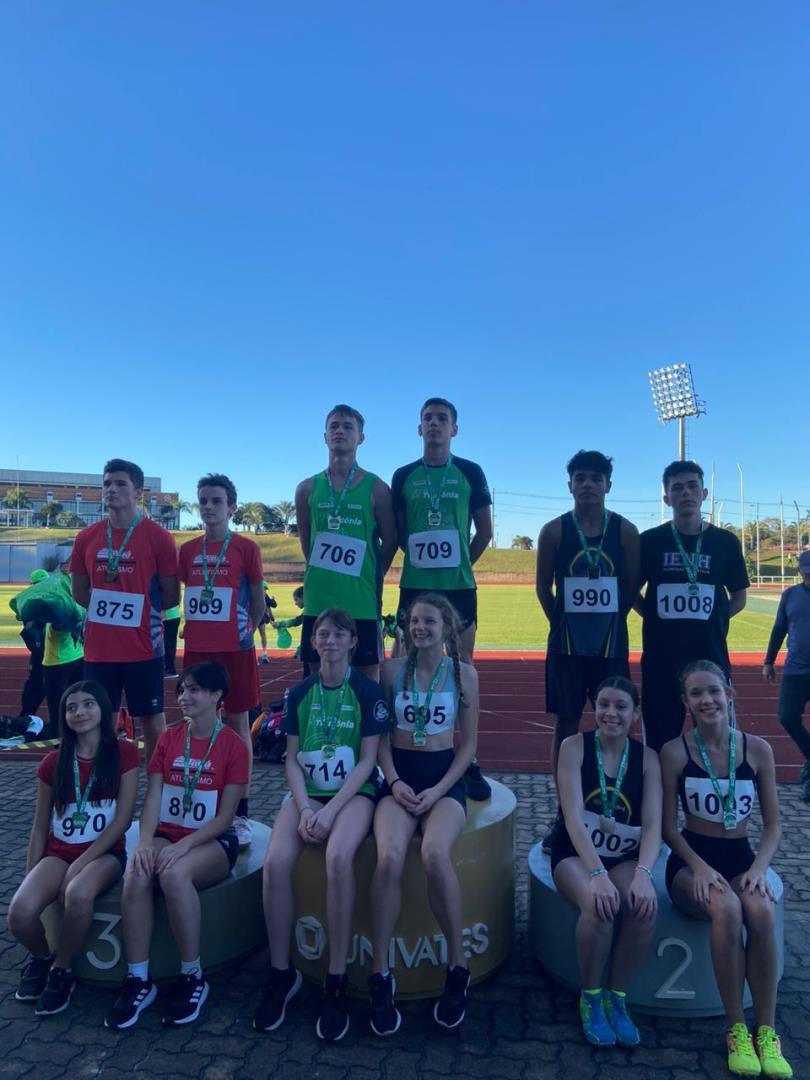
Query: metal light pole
[742, 507]
[673, 393]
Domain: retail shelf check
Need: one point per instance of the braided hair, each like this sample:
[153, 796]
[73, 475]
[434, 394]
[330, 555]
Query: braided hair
[452, 633]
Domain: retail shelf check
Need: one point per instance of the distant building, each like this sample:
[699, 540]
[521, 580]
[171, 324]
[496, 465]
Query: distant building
[80, 497]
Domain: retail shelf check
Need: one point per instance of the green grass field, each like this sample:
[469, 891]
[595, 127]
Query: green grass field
[508, 617]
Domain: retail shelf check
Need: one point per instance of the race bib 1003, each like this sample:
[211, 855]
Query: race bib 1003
[98, 818]
[327, 773]
[203, 807]
[677, 602]
[340, 554]
[217, 609]
[115, 608]
[591, 596]
[434, 549]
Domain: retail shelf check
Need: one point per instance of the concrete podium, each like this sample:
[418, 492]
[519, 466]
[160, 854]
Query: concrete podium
[484, 860]
[676, 978]
[232, 922]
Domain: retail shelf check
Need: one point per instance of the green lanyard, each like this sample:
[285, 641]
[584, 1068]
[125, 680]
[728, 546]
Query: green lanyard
[113, 557]
[690, 564]
[190, 782]
[728, 803]
[593, 559]
[434, 497]
[329, 724]
[208, 591]
[421, 713]
[606, 819]
[333, 520]
[81, 817]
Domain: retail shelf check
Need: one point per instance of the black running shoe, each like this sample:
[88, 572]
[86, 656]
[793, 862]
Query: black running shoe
[333, 1021]
[384, 1016]
[187, 995]
[280, 988]
[33, 978]
[55, 998]
[477, 788]
[550, 839]
[136, 995]
[450, 1008]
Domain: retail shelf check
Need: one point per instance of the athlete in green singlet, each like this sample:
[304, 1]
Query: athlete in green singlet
[348, 536]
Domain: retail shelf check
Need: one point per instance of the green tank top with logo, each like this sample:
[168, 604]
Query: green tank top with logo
[343, 568]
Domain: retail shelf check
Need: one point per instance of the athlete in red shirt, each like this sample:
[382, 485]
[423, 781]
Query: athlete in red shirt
[124, 572]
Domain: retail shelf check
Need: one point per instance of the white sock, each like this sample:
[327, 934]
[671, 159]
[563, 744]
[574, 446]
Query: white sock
[140, 971]
[191, 967]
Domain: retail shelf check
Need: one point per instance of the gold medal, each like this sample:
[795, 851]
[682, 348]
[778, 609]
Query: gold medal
[111, 575]
[328, 751]
[606, 824]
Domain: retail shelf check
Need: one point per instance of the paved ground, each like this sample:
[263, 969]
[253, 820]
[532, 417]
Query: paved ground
[520, 1025]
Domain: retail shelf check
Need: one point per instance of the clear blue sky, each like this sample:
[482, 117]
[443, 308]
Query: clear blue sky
[217, 220]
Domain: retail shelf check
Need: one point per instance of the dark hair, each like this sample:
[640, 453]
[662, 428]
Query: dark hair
[618, 682]
[441, 401]
[346, 410]
[208, 676]
[593, 460]
[107, 760]
[133, 471]
[298, 592]
[702, 665]
[342, 619]
[452, 627]
[676, 467]
[219, 480]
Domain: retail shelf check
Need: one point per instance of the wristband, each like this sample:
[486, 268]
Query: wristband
[646, 869]
[397, 780]
[597, 872]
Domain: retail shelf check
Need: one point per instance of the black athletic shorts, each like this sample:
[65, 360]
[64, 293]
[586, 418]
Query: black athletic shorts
[227, 841]
[140, 680]
[729, 857]
[369, 649]
[465, 602]
[570, 680]
[421, 769]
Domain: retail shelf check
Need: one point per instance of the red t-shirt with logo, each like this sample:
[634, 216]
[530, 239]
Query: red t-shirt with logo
[124, 616]
[226, 764]
[222, 624]
[65, 840]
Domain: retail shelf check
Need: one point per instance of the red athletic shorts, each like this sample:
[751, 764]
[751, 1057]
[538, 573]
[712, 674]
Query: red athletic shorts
[242, 671]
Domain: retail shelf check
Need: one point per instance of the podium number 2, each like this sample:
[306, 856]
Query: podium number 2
[667, 990]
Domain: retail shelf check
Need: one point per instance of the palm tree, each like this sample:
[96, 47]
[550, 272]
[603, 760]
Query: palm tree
[252, 515]
[522, 543]
[285, 511]
[17, 499]
[49, 513]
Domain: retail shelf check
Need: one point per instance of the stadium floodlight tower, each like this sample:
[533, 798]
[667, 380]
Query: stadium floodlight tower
[674, 398]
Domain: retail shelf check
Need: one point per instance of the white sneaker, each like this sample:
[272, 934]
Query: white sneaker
[244, 831]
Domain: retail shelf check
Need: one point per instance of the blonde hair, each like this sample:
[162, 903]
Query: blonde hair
[452, 633]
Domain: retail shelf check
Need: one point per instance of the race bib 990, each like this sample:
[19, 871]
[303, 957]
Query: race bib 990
[677, 602]
[217, 609]
[99, 817]
[434, 549]
[591, 596]
[115, 608]
[341, 554]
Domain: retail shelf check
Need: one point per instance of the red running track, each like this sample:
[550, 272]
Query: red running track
[514, 730]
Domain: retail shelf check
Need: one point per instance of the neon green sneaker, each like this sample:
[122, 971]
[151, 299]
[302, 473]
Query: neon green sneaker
[742, 1058]
[770, 1054]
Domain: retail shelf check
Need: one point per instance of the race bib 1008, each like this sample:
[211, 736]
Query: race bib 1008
[677, 602]
[435, 549]
[217, 609]
[115, 608]
[591, 596]
[327, 773]
[203, 807]
[98, 818]
[340, 554]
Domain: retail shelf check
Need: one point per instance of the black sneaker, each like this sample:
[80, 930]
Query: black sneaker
[136, 995]
[187, 995]
[280, 988]
[333, 1021]
[804, 780]
[384, 1016]
[56, 995]
[33, 978]
[477, 788]
[550, 839]
[450, 1008]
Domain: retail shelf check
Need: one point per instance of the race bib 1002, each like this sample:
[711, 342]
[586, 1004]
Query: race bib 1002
[435, 549]
[217, 609]
[98, 818]
[115, 608]
[203, 807]
[622, 842]
[591, 596]
[327, 773]
[677, 602]
[340, 554]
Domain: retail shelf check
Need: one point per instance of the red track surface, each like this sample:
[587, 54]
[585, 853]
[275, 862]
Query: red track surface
[514, 731]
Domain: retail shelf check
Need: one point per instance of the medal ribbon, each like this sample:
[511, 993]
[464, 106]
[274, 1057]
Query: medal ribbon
[81, 796]
[435, 497]
[422, 712]
[190, 782]
[729, 811]
[210, 579]
[329, 724]
[335, 507]
[609, 804]
[113, 557]
[592, 559]
[691, 564]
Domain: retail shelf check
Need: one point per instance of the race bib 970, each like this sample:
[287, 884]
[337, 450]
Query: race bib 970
[434, 549]
[677, 602]
[341, 554]
[99, 817]
[115, 608]
[217, 609]
[591, 596]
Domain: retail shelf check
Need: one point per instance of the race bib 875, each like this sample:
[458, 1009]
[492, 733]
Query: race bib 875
[115, 608]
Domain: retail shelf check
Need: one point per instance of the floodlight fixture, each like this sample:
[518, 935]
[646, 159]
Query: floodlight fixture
[673, 393]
